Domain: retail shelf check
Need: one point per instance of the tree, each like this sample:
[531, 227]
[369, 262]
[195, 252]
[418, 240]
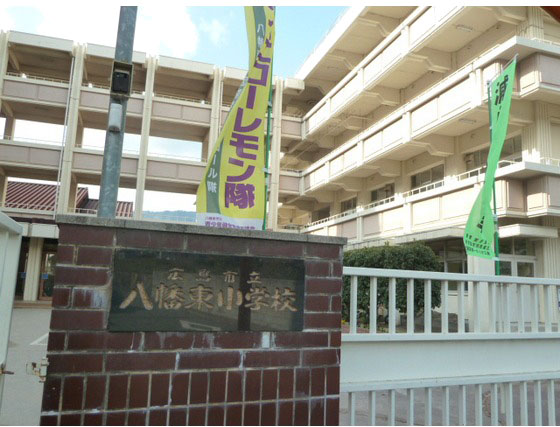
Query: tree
[414, 256]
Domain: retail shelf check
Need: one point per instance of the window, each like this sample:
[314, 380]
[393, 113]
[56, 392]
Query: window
[517, 246]
[383, 193]
[346, 205]
[427, 177]
[320, 214]
[517, 257]
[526, 269]
[476, 159]
[511, 151]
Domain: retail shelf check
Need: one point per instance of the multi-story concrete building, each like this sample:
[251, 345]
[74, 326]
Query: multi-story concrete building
[382, 135]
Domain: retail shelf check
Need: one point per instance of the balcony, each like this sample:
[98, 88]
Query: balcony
[39, 159]
[447, 203]
[33, 96]
[392, 54]
[452, 107]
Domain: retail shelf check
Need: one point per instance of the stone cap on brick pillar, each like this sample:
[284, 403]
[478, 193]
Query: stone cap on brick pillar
[196, 229]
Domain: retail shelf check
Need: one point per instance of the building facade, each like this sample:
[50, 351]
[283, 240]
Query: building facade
[381, 137]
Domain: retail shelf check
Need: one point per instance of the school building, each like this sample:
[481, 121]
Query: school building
[380, 137]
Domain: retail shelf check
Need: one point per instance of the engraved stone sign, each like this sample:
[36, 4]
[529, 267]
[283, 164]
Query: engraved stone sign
[177, 291]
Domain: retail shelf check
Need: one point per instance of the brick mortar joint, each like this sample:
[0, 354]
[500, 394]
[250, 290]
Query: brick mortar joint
[190, 405]
[186, 229]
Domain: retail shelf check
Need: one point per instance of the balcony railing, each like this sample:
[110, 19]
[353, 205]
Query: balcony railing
[136, 152]
[379, 203]
[82, 211]
[431, 186]
[333, 217]
[181, 98]
[32, 140]
[27, 206]
[36, 77]
[550, 161]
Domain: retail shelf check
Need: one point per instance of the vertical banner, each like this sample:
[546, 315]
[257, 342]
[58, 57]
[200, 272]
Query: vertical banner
[232, 192]
[480, 228]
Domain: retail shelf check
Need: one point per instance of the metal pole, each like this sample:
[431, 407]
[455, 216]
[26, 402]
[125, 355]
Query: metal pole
[267, 166]
[496, 231]
[114, 139]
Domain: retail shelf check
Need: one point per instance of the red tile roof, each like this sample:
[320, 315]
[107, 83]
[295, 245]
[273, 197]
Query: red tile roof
[30, 195]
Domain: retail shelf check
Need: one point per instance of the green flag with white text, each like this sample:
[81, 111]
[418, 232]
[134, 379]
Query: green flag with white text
[479, 232]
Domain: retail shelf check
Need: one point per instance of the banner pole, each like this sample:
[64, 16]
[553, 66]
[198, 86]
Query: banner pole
[267, 158]
[496, 231]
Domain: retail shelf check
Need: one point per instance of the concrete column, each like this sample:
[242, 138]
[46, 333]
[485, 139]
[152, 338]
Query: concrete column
[72, 127]
[33, 269]
[9, 128]
[4, 56]
[72, 195]
[407, 217]
[151, 63]
[335, 205]
[542, 129]
[3, 187]
[360, 228]
[533, 27]
[551, 258]
[402, 182]
[79, 135]
[275, 155]
[215, 112]
[454, 164]
[530, 152]
[485, 267]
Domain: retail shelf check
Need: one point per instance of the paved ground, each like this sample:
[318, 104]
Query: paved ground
[21, 403]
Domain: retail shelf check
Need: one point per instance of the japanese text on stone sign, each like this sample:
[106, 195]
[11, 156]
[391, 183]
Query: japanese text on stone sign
[176, 293]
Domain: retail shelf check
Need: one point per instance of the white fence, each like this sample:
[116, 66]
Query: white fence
[487, 355]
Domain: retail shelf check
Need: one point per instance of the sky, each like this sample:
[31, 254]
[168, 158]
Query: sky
[210, 34]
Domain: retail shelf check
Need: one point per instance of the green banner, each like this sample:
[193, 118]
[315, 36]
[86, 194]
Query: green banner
[480, 229]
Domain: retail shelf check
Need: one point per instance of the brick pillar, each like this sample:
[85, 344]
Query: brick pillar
[193, 378]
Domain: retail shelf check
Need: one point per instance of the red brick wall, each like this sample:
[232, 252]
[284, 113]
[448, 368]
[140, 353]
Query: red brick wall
[98, 377]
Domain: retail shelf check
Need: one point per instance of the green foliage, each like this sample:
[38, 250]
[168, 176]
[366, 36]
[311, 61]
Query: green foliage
[414, 256]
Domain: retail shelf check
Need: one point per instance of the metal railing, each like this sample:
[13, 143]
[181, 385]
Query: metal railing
[37, 77]
[181, 98]
[101, 148]
[550, 161]
[83, 211]
[150, 153]
[27, 206]
[470, 360]
[333, 217]
[32, 140]
[424, 188]
[298, 171]
[96, 85]
[379, 203]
